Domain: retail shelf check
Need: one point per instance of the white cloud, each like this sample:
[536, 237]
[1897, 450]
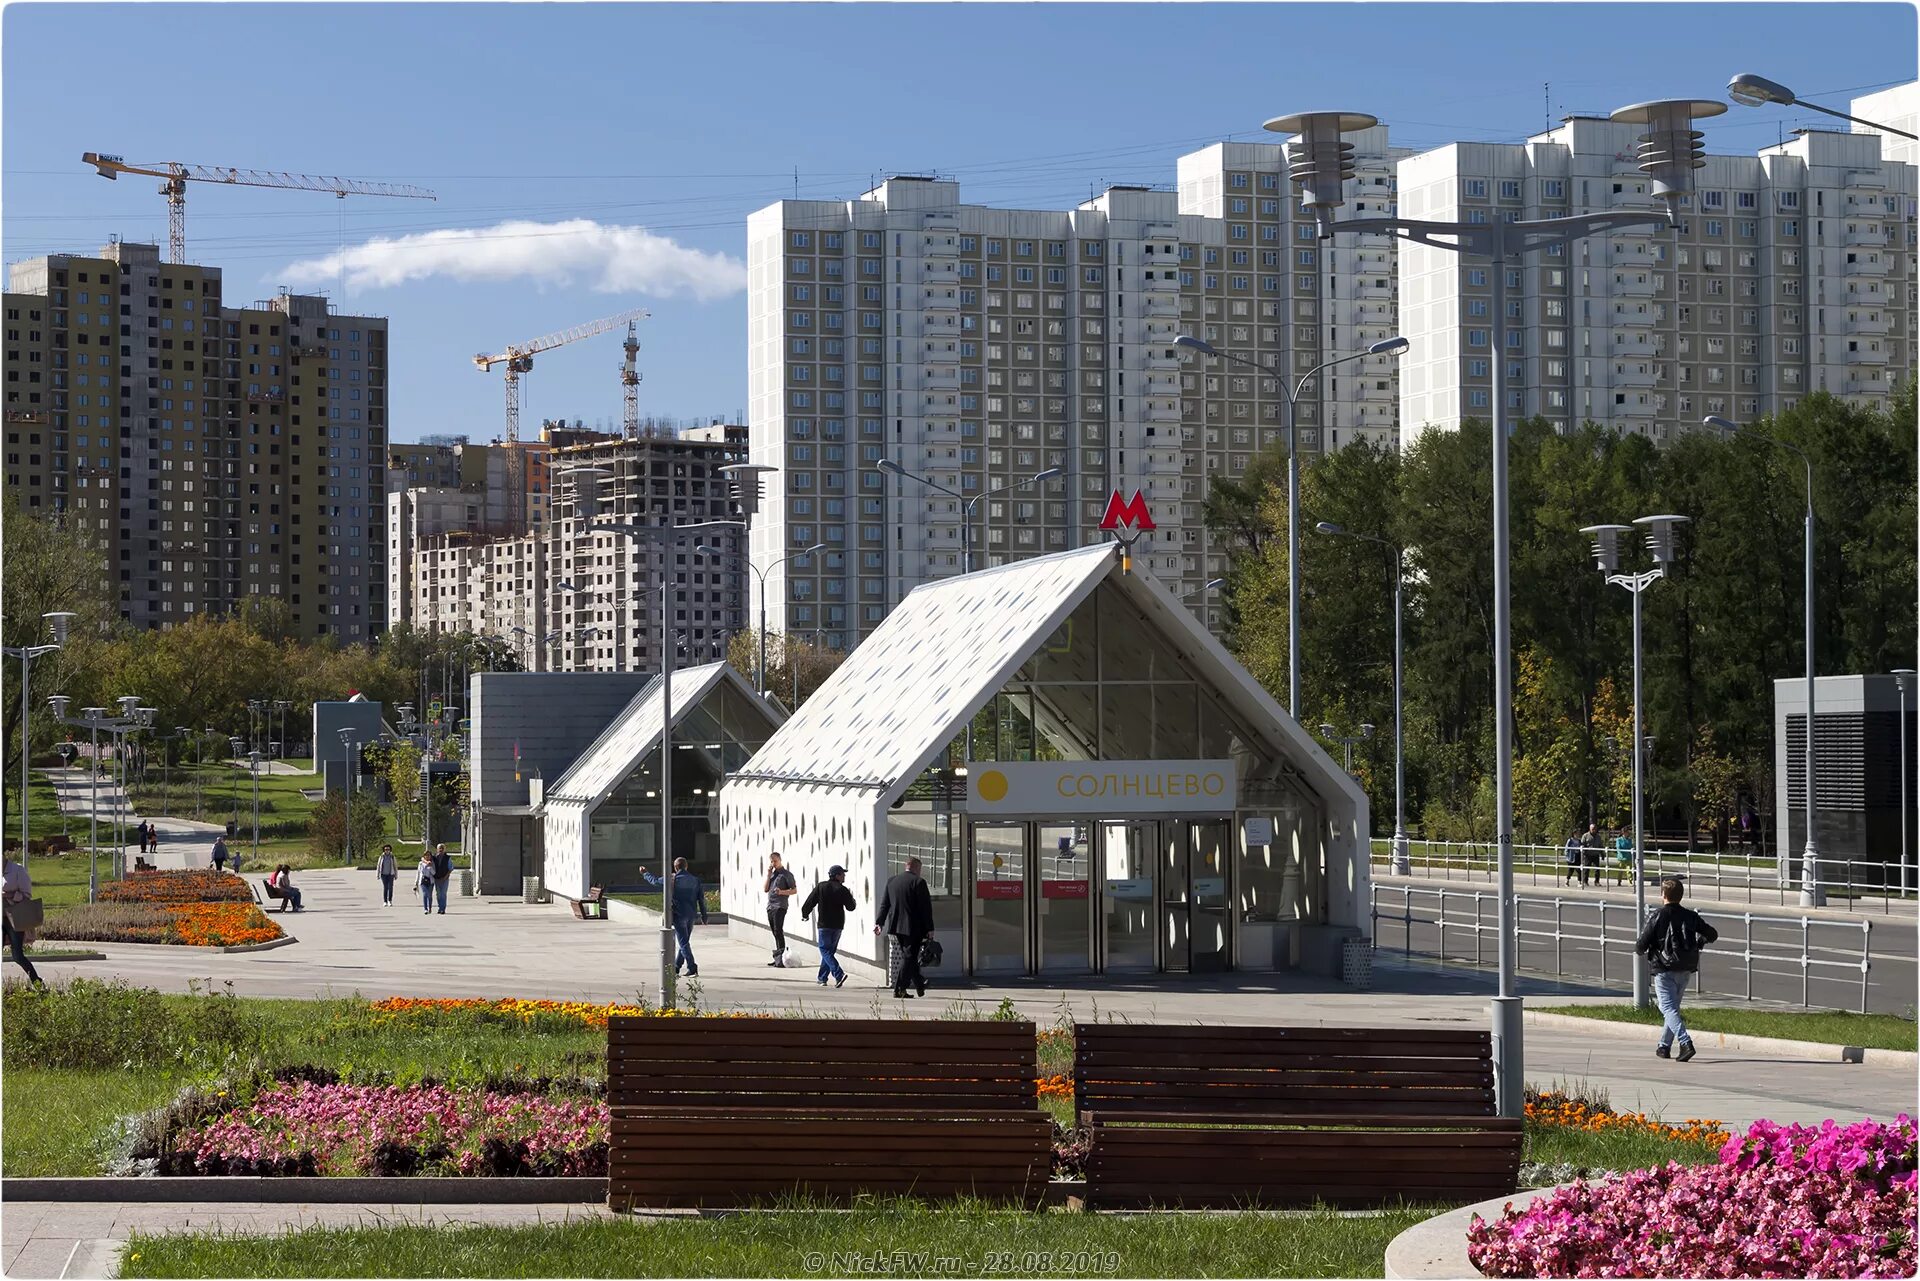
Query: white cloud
[608, 259]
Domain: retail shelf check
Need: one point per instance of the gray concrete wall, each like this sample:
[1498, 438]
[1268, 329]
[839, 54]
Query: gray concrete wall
[551, 717]
[330, 718]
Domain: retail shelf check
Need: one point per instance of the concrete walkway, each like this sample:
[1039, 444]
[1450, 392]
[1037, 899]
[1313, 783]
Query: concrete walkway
[182, 841]
[75, 1239]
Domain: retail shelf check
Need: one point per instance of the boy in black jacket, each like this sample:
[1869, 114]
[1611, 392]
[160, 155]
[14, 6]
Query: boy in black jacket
[833, 900]
[1671, 941]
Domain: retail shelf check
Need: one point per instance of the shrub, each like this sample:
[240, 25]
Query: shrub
[90, 1024]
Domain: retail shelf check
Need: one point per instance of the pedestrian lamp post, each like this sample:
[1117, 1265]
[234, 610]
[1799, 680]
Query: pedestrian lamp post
[1289, 406]
[1321, 164]
[1750, 90]
[57, 623]
[1606, 554]
[1812, 894]
[93, 720]
[1346, 740]
[1205, 589]
[352, 744]
[586, 508]
[1401, 864]
[760, 673]
[892, 468]
[281, 707]
[1904, 677]
[256, 712]
[253, 763]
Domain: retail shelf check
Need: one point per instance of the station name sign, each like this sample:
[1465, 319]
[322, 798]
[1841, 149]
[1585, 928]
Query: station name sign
[1044, 788]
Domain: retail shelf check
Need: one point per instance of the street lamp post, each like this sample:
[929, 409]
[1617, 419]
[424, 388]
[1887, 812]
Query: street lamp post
[281, 706]
[760, 674]
[1903, 676]
[586, 497]
[1812, 894]
[1750, 90]
[1321, 164]
[1347, 740]
[1606, 553]
[253, 763]
[1401, 864]
[351, 743]
[93, 720]
[892, 468]
[26, 654]
[1289, 404]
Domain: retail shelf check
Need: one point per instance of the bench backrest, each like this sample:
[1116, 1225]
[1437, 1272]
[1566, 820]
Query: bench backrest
[821, 1063]
[1335, 1071]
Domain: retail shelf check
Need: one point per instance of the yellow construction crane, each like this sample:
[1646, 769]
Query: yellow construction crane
[518, 358]
[176, 176]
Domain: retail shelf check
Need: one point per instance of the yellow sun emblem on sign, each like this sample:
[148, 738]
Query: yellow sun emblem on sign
[993, 786]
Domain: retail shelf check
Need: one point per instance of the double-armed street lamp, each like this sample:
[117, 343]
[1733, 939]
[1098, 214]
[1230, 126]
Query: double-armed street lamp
[760, 673]
[1321, 164]
[1606, 554]
[1904, 678]
[93, 720]
[1812, 893]
[56, 623]
[351, 741]
[587, 508]
[1290, 406]
[253, 767]
[892, 468]
[1401, 864]
[1346, 740]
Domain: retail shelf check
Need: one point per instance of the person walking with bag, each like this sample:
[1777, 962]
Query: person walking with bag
[442, 875]
[423, 882]
[1671, 942]
[833, 900]
[906, 912]
[219, 853]
[21, 903]
[780, 887]
[388, 871]
[689, 901]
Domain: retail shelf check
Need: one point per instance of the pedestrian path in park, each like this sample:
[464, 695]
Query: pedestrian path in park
[500, 947]
[182, 841]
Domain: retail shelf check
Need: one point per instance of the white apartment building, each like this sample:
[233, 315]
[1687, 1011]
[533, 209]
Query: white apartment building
[1789, 272]
[566, 600]
[1898, 107]
[979, 346]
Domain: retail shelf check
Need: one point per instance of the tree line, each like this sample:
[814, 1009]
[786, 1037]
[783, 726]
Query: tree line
[1716, 634]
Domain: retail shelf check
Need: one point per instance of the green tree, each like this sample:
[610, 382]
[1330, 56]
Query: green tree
[50, 565]
[327, 826]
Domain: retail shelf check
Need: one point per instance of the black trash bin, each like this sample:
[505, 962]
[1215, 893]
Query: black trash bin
[233, 828]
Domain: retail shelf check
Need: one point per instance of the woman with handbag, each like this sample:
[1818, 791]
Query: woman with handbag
[21, 904]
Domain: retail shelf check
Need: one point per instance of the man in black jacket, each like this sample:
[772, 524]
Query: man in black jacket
[1671, 941]
[906, 912]
[833, 900]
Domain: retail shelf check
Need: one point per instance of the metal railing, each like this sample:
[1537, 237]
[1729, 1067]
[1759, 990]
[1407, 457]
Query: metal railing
[1850, 885]
[1778, 949]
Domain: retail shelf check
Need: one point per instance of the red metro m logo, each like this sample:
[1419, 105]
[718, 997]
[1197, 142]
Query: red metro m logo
[1131, 513]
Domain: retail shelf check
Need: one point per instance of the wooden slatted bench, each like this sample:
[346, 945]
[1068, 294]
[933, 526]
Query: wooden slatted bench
[730, 1112]
[1224, 1117]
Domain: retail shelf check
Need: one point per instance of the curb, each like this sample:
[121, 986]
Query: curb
[1706, 1040]
[81, 954]
[1438, 1246]
[318, 1191]
[284, 941]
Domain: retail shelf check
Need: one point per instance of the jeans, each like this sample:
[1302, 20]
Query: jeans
[828, 941]
[386, 889]
[683, 954]
[16, 944]
[777, 921]
[426, 897]
[1668, 985]
[440, 884]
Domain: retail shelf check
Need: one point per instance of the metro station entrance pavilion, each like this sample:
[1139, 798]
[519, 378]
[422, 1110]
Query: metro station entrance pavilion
[1092, 784]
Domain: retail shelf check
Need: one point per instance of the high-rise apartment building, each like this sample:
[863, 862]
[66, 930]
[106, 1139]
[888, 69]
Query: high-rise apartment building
[978, 347]
[1898, 107]
[1789, 272]
[215, 451]
[566, 600]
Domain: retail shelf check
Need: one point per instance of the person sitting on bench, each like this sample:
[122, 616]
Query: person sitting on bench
[280, 885]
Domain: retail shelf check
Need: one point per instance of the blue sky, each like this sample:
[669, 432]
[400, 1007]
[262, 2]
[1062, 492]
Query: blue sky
[653, 130]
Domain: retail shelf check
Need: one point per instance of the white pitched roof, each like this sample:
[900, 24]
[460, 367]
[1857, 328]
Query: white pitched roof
[636, 730]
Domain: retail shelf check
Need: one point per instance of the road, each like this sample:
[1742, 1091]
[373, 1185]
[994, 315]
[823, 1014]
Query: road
[1776, 956]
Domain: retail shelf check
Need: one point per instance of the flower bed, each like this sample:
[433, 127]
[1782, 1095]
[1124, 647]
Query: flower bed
[521, 1010]
[199, 885]
[1783, 1201]
[189, 924]
[1548, 1107]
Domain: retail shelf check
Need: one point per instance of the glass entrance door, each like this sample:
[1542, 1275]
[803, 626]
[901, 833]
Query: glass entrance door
[1063, 908]
[1207, 883]
[999, 861]
[1176, 899]
[1126, 894]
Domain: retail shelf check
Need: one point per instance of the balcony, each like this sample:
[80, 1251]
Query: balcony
[1163, 385]
[1866, 234]
[1867, 264]
[1163, 411]
[1158, 306]
[1635, 407]
[1866, 322]
[1633, 375]
[939, 272]
[1864, 354]
[1373, 287]
[1631, 320]
[1163, 359]
[941, 299]
[1636, 284]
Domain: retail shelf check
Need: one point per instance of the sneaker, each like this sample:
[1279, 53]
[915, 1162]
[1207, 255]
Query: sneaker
[903, 996]
[841, 981]
[1686, 1052]
[821, 982]
[1662, 1052]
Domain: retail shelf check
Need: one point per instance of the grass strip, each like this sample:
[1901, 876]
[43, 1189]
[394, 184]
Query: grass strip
[65, 1122]
[893, 1237]
[1825, 1027]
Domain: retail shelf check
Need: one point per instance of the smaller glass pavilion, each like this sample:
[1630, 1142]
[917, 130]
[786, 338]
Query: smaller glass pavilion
[601, 818]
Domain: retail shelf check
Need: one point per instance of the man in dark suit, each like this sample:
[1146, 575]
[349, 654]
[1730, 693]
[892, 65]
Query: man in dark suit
[906, 912]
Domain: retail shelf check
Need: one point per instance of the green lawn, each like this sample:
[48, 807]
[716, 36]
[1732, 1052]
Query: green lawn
[60, 880]
[64, 1122]
[1874, 1031]
[896, 1237]
[44, 818]
[652, 901]
[1610, 1149]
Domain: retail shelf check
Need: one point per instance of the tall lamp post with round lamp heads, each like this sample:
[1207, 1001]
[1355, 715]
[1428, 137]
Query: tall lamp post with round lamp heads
[1320, 162]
